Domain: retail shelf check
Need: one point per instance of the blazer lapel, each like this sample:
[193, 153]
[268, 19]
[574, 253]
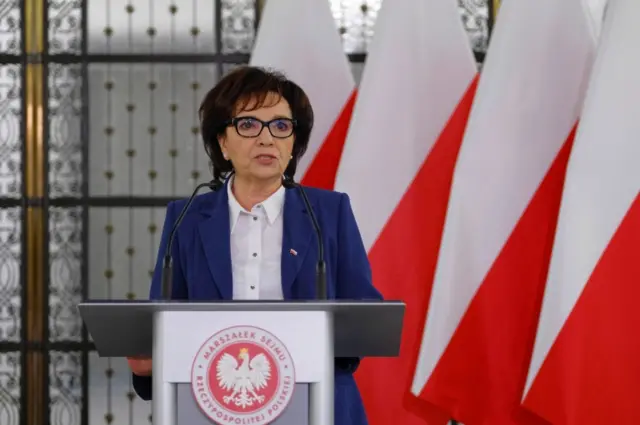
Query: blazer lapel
[215, 234]
[296, 237]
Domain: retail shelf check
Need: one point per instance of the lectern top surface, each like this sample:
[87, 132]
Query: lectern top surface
[362, 328]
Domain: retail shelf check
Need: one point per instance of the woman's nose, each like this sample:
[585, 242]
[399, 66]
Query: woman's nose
[264, 138]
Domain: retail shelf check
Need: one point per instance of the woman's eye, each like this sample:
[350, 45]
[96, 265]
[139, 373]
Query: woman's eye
[247, 123]
[282, 125]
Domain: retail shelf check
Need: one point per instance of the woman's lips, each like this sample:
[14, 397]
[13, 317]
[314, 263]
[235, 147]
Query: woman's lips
[265, 159]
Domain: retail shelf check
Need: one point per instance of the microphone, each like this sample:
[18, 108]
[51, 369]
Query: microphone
[321, 268]
[167, 264]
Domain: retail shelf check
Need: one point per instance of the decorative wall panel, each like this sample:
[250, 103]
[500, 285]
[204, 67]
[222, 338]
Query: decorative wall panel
[170, 26]
[238, 24]
[144, 135]
[65, 387]
[65, 283]
[355, 20]
[65, 26]
[475, 17]
[11, 121]
[10, 273]
[10, 374]
[64, 139]
[10, 27]
[123, 244]
[111, 397]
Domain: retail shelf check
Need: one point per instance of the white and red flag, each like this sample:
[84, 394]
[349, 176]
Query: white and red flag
[407, 126]
[586, 363]
[300, 38]
[503, 210]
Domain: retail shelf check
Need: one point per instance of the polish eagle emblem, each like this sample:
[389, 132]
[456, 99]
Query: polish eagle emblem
[243, 379]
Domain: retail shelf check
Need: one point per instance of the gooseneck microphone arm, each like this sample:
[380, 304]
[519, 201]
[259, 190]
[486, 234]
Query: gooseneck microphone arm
[167, 263]
[321, 267]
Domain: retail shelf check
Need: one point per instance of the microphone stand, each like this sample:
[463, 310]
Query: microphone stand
[321, 267]
[167, 263]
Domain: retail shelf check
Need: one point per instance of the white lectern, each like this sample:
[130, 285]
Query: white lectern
[238, 358]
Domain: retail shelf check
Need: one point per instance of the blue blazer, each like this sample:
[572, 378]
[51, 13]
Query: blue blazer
[202, 267]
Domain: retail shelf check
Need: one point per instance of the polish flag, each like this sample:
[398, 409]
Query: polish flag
[503, 210]
[407, 127]
[300, 38]
[586, 363]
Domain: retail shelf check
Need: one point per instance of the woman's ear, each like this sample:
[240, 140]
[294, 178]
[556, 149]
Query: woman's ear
[222, 142]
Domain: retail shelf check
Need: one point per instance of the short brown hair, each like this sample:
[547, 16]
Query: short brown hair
[233, 93]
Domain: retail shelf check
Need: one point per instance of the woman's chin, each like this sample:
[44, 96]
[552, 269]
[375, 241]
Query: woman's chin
[266, 173]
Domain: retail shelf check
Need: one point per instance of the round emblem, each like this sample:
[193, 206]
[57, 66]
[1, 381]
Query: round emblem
[243, 375]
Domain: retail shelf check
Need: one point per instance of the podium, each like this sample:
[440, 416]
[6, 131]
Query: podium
[237, 362]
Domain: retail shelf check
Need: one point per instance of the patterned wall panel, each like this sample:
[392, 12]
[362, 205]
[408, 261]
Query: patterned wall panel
[64, 135]
[111, 398]
[162, 26]
[10, 315]
[10, 25]
[65, 26]
[238, 20]
[475, 18]
[65, 387]
[124, 244]
[10, 374]
[11, 122]
[65, 368]
[10, 273]
[170, 26]
[10, 127]
[355, 21]
[65, 282]
[144, 138]
[11, 220]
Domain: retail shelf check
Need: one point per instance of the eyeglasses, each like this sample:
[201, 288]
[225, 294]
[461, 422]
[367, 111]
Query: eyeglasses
[280, 128]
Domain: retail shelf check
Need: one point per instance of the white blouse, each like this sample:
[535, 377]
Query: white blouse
[256, 247]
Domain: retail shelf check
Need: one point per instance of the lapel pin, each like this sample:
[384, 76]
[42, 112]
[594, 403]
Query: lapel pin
[293, 252]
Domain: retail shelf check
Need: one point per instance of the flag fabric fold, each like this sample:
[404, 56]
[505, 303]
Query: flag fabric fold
[403, 141]
[586, 362]
[502, 212]
[301, 39]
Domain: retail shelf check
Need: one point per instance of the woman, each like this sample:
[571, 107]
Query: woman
[256, 126]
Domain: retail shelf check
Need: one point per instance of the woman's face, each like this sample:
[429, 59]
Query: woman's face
[256, 150]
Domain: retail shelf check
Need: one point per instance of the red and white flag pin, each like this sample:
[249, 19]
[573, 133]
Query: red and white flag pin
[293, 252]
